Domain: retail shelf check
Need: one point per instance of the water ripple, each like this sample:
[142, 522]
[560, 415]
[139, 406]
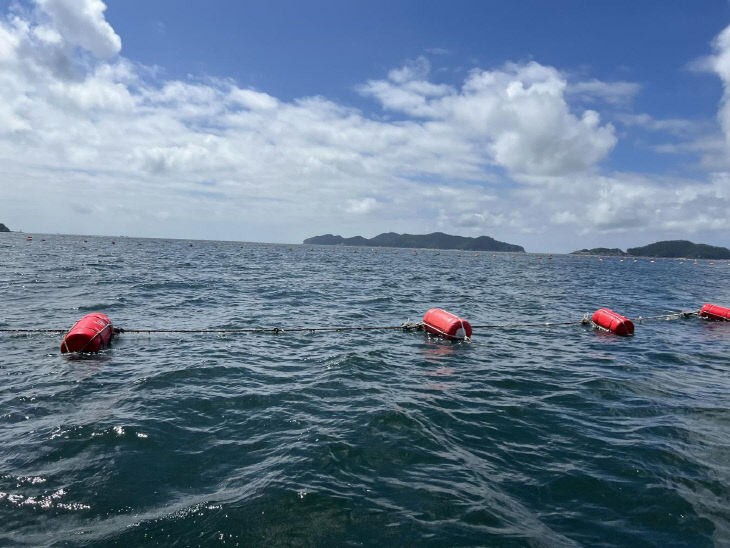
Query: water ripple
[547, 436]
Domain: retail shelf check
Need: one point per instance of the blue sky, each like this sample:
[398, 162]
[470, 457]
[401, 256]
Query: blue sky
[554, 125]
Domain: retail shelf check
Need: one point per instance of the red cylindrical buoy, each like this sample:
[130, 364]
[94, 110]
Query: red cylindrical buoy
[610, 321]
[714, 312]
[90, 334]
[446, 324]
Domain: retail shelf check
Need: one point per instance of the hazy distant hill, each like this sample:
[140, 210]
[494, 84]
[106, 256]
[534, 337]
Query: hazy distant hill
[435, 240]
[614, 251]
[4, 228]
[681, 248]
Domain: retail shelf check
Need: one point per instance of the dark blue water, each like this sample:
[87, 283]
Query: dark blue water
[523, 437]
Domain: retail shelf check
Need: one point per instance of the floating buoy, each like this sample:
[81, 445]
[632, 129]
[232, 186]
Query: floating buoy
[445, 324]
[714, 312]
[90, 334]
[607, 319]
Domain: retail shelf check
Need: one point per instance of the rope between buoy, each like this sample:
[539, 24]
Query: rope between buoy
[13, 330]
[523, 325]
[404, 327]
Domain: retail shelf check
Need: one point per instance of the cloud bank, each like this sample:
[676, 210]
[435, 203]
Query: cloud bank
[91, 142]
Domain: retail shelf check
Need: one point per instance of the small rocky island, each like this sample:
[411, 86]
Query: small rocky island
[4, 228]
[435, 240]
[610, 252]
[671, 249]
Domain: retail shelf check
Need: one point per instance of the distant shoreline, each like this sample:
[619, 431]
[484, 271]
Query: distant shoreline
[670, 249]
[435, 240]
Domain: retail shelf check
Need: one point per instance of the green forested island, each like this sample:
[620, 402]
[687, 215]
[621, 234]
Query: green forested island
[680, 248]
[4, 228]
[670, 249]
[435, 240]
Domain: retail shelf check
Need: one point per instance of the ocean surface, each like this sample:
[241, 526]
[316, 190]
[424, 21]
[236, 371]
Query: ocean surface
[525, 436]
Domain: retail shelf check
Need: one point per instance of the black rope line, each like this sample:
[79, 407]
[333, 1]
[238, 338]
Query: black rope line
[404, 327]
[673, 316]
[525, 325]
[9, 330]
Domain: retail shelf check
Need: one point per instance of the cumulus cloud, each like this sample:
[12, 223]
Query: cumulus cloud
[505, 152]
[632, 202]
[82, 23]
[721, 65]
[253, 100]
[516, 117]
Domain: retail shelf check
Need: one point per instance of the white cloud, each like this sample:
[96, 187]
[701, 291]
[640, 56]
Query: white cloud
[611, 92]
[253, 100]
[414, 70]
[675, 126]
[505, 153]
[633, 202]
[82, 23]
[516, 117]
[721, 65]
[361, 206]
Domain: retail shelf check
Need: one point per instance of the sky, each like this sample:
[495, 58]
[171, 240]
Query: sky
[553, 125]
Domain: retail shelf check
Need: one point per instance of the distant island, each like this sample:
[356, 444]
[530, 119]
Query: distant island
[4, 228]
[435, 240]
[671, 249]
[613, 252]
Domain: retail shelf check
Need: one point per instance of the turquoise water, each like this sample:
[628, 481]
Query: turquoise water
[556, 436]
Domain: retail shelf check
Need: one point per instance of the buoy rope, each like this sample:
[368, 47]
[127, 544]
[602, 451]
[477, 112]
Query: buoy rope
[13, 330]
[404, 327]
[584, 321]
[673, 316]
[524, 325]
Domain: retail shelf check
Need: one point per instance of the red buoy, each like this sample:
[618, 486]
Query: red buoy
[446, 324]
[90, 334]
[714, 312]
[610, 321]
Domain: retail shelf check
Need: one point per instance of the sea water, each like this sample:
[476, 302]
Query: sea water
[526, 436]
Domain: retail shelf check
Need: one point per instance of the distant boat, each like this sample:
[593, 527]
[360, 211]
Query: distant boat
[29, 238]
